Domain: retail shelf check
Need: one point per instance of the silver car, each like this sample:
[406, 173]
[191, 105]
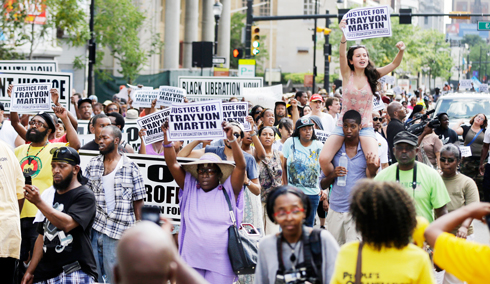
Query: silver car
[463, 106]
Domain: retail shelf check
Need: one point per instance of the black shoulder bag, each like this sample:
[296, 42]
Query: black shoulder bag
[242, 251]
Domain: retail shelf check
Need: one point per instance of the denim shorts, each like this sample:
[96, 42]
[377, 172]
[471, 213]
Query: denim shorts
[365, 132]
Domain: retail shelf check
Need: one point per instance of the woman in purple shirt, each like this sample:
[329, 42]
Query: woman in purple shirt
[203, 239]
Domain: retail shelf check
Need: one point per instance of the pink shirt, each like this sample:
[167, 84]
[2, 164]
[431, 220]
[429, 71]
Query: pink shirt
[359, 100]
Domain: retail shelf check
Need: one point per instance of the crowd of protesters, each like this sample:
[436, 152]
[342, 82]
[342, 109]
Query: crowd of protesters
[344, 210]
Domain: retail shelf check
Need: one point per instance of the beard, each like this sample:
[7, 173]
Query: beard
[36, 137]
[108, 149]
[63, 184]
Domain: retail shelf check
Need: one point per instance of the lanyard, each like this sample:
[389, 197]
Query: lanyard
[414, 178]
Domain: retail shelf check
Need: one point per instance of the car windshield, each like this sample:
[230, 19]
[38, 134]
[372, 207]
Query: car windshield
[463, 108]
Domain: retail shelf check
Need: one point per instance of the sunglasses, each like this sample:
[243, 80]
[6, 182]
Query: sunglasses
[208, 171]
[448, 160]
[37, 123]
[377, 118]
[237, 135]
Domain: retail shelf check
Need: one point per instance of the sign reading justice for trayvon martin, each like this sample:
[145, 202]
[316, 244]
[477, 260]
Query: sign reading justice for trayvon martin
[237, 111]
[153, 123]
[31, 97]
[362, 23]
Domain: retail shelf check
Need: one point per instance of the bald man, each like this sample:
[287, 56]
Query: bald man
[146, 254]
[397, 114]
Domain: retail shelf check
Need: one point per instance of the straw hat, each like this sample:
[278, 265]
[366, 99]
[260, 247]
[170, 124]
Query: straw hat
[226, 167]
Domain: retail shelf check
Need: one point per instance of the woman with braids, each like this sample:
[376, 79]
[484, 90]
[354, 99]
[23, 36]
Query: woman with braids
[385, 217]
[360, 83]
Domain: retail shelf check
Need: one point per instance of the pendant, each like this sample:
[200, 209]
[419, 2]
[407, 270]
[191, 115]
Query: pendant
[293, 257]
[29, 160]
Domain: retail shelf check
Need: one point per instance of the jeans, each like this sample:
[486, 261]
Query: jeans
[104, 249]
[314, 201]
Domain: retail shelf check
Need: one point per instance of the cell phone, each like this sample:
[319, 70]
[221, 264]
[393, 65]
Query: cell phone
[250, 229]
[28, 180]
[151, 213]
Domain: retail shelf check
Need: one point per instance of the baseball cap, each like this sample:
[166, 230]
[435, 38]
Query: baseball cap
[81, 101]
[70, 156]
[316, 97]
[48, 118]
[405, 137]
[304, 121]
[280, 103]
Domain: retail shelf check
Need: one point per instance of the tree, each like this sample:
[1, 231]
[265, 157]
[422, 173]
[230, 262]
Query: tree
[472, 40]
[479, 63]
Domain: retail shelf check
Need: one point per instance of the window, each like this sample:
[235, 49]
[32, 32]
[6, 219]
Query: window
[265, 9]
[309, 7]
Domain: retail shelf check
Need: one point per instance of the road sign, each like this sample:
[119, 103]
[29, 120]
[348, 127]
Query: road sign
[219, 60]
[484, 26]
[246, 68]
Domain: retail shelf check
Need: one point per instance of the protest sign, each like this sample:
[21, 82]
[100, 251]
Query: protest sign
[143, 98]
[60, 81]
[161, 189]
[170, 95]
[237, 111]
[130, 132]
[153, 123]
[142, 88]
[321, 135]
[465, 151]
[29, 65]
[378, 104]
[390, 80]
[217, 87]
[196, 121]
[484, 88]
[367, 22]
[397, 90]
[31, 98]
[465, 84]
[266, 97]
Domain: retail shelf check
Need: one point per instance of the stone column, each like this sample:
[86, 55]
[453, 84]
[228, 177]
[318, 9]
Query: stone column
[224, 33]
[191, 29]
[207, 24]
[172, 27]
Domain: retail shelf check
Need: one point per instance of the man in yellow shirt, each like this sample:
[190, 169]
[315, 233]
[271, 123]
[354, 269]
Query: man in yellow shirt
[468, 261]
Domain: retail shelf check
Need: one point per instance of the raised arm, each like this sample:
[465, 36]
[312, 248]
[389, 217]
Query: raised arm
[187, 151]
[238, 174]
[294, 111]
[142, 149]
[55, 99]
[171, 159]
[344, 67]
[71, 133]
[14, 118]
[259, 149]
[396, 62]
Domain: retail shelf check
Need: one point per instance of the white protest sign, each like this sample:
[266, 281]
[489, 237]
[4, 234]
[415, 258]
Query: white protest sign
[161, 189]
[142, 88]
[217, 87]
[31, 98]
[378, 104]
[465, 84]
[397, 90]
[29, 65]
[130, 133]
[321, 135]
[237, 111]
[465, 151]
[196, 121]
[60, 81]
[153, 123]
[143, 98]
[367, 22]
[390, 80]
[266, 97]
[484, 88]
[170, 95]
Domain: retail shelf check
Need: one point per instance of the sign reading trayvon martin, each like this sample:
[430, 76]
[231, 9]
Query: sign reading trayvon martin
[217, 87]
[367, 22]
[31, 97]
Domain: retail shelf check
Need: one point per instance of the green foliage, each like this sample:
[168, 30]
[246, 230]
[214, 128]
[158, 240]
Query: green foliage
[484, 68]
[472, 40]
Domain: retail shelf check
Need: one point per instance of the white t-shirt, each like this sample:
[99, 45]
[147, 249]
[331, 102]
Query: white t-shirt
[108, 183]
[8, 134]
[486, 139]
[382, 148]
[328, 122]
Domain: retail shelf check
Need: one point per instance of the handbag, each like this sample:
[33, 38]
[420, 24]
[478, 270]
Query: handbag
[242, 251]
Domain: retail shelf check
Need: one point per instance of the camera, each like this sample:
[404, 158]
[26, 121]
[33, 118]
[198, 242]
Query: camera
[297, 276]
[418, 128]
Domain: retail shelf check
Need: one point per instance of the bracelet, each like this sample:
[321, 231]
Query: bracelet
[253, 134]
[342, 42]
[231, 140]
[169, 145]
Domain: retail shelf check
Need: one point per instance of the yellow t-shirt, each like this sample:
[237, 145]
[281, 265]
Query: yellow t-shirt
[39, 168]
[11, 190]
[408, 265]
[466, 260]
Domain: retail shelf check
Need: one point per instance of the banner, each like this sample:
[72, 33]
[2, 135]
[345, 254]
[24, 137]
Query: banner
[153, 125]
[217, 87]
[170, 95]
[60, 81]
[484, 88]
[130, 132]
[266, 97]
[29, 65]
[367, 22]
[390, 80]
[31, 98]
[237, 111]
[196, 121]
[321, 135]
[161, 188]
[143, 98]
[465, 84]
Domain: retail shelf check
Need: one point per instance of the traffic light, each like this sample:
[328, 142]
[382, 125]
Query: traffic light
[325, 31]
[255, 40]
[405, 19]
[238, 53]
[461, 17]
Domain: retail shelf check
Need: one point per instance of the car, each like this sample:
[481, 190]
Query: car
[463, 106]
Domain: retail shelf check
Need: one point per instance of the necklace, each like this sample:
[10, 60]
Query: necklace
[29, 159]
[293, 257]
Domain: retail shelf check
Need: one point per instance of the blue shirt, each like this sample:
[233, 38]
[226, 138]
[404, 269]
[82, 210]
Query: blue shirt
[252, 170]
[356, 170]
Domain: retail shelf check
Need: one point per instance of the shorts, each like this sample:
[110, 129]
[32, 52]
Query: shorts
[365, 132]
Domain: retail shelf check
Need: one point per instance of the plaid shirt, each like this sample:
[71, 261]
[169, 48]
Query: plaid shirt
[128, 187]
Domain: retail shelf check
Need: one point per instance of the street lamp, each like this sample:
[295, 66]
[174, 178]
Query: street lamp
[217, 9]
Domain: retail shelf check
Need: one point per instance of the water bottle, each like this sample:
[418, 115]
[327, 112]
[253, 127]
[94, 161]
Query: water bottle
[341, 181]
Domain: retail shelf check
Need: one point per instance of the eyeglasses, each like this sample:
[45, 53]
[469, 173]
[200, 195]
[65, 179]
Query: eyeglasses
[112, 109]
[447, 160]
[407, 148]
[37, 123]
[377, 118]
[282, 214]
[208, 171]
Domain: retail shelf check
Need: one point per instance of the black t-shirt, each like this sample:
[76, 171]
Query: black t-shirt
[62, 248]
[95, 147]
[446, 135]
[393, 128]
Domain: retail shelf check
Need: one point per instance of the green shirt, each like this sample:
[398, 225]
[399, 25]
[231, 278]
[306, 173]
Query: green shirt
[430, 192]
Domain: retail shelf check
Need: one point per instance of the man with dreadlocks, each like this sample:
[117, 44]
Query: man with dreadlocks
[384, 215]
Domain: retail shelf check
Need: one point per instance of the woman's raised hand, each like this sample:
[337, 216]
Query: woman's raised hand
[401, 46]
[342, 24]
